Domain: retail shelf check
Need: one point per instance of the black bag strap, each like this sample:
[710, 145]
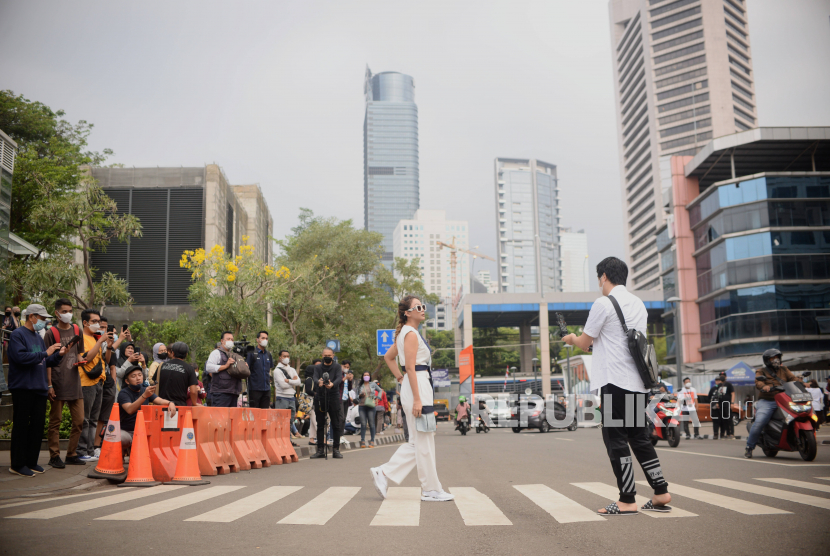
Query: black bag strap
[619, 313]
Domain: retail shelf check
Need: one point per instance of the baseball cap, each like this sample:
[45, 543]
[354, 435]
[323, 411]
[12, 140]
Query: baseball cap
[35, 309]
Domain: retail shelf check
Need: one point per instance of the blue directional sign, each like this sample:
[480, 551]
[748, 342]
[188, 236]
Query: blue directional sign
[386, 337]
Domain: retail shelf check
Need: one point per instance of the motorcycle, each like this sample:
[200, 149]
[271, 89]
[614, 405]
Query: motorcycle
[666, 412]
[480, 426]
[464, 425]
[792, 427]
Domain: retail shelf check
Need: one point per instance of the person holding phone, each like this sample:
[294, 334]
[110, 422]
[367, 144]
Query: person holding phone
[132, 356]
[92, 370]
[130, 400]
[416, 394]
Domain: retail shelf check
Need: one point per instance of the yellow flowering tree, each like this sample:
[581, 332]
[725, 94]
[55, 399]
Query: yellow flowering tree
[232, 293]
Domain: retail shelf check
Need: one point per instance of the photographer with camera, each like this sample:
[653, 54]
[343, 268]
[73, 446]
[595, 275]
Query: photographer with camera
[326, 382]
[225, 389]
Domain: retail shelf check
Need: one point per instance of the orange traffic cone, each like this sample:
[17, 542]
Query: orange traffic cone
[187, 466]
[140, 471]
[111, 463]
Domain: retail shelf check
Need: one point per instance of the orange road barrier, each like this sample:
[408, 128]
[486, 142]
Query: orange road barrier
[163, 443]
[284, 438]
[111, 463]
[187, 466]
[212, 426]
[269, 434]
[140, 472]
[246, 441]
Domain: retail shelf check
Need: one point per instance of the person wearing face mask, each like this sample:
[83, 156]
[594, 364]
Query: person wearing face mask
[130, 400]
[285, 380]
[367, 394]
[346, 393]
[28, 360]
[11, 322]
[159, 357]
[259, 383]
[772, 374]
[687, 398]
[64, 387]
[327, 402]
[225, 389]
[131, 357]
[92, 369]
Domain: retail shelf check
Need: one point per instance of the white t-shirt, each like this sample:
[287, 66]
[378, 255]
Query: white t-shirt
[818, 398]
[422, 357]
[612, 362]
[686, 398]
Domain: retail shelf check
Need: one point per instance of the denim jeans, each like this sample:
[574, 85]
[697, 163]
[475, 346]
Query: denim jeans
[764, 410]
[367, 416]
[287, 403]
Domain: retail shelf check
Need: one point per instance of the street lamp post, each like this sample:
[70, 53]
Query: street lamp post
[568, 349]
[678, 339]
[535, 362]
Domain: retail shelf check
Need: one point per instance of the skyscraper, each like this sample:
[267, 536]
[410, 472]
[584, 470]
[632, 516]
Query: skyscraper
[390, 154]
[682, 75]
[528, 226]
[575, 271]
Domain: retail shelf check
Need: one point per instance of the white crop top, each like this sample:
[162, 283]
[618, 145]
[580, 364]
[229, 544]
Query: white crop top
[423, 357]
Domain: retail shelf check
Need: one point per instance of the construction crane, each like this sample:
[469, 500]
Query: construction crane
[454, 249]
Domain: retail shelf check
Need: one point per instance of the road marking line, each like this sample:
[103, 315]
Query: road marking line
[824, 478]
[247, 505]
[402, 507]
[559, 506]
[322, 508]
[753, 460]
[734, 504]
[54, 498]
[771, 492]
[164, 506]
[87, 505]
[477, 508]
[613, 493]
[799, 484]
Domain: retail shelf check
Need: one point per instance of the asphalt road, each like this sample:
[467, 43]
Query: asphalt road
[531, 493]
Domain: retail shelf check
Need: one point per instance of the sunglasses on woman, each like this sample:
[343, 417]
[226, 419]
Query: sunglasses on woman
[419, 308]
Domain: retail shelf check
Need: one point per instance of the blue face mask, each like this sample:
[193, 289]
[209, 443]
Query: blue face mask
[40, 325]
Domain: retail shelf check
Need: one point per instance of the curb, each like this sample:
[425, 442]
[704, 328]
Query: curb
[306, 451]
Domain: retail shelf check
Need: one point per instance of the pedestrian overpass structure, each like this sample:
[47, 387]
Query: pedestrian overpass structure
[525, 310]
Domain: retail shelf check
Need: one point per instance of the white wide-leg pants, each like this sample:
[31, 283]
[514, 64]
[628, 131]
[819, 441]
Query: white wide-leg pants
[420, 450]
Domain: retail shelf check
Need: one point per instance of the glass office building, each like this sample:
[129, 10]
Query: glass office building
[527, 200]
[390, 154]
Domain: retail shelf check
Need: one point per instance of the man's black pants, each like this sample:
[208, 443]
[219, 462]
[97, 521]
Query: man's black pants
[344, 406]
[222, 399]
[332, 407]
[618, 439]
[260, 399]
[29, 417]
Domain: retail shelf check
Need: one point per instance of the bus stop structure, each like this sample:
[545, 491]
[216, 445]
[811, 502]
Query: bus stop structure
[525, 310]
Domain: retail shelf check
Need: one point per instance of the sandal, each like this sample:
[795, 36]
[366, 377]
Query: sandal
[650, 507]
[613, 509]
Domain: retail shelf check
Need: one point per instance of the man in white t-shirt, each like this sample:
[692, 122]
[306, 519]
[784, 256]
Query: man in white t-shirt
[687, 399]
[614, 374]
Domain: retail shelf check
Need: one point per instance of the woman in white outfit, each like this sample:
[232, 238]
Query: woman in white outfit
[416, 393]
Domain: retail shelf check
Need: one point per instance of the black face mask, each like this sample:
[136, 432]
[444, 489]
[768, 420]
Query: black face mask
[163, 355]
[8, 313]
[135, 388]
[17, 313]
[327, 360]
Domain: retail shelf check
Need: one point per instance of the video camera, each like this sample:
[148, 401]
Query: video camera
[243, 347]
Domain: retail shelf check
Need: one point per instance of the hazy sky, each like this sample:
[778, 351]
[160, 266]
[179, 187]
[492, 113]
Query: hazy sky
[273, 92]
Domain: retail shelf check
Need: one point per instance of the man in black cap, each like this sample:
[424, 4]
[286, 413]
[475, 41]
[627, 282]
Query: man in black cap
[327, 401]
[727, 426]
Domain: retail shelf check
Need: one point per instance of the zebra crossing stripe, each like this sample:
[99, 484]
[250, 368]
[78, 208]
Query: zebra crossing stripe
[734, 504]
[53, 499]
[158, 508]
[796, 497]
[560, 507]
[402, 507]
[824, 478]
[611, 493]
[476, 508]
[247, 505]
[78, 507]
[798, 484]
[322, 508]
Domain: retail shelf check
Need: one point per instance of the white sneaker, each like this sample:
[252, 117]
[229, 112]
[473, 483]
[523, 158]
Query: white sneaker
[379, 479]
[88, 458]
[436, 496]
[97, 453]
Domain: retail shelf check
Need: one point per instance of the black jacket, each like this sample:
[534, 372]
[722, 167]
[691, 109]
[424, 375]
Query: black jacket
[335, 376]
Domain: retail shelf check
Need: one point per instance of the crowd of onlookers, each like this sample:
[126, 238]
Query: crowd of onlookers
[87, 365]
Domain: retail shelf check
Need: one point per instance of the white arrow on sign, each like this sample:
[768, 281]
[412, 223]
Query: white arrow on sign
[385, 337]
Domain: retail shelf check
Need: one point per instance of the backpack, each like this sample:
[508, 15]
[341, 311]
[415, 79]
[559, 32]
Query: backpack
[645, 358]
[56, 336]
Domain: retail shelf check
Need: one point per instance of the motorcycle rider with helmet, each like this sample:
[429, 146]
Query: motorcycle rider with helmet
[461, 410]
[772, 374]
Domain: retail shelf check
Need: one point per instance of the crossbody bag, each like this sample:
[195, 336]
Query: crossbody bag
[645, 358]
